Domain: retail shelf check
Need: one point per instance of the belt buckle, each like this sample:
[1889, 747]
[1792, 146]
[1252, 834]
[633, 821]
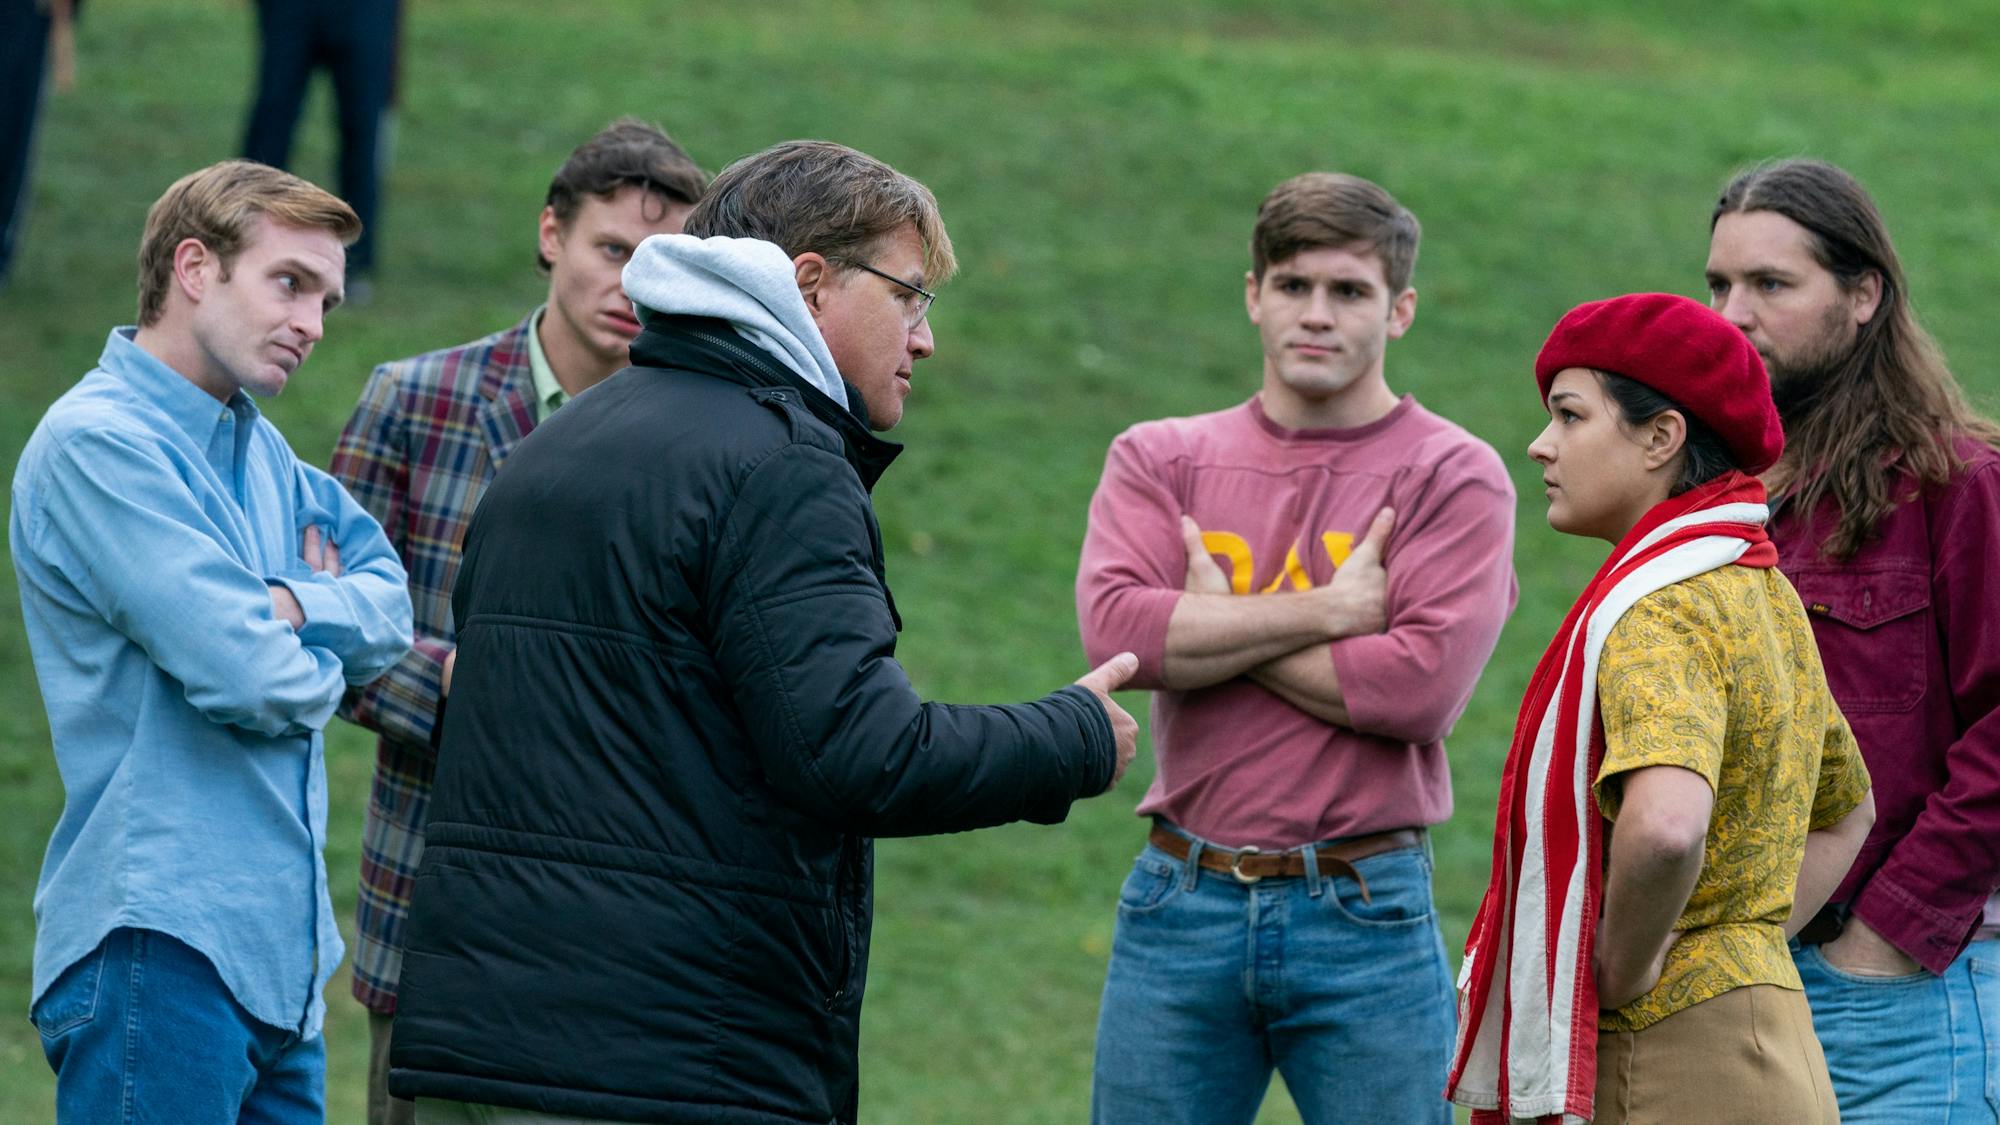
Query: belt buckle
[1237, 871]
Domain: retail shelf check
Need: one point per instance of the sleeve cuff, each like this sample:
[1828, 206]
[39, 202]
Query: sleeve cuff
[1371, 706]
[1147, 615]
[1930, 936]
[1099, 743]
[321, 606]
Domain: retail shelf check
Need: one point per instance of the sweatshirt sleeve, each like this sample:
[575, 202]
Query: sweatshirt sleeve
[1129, 578]
[1451, 586]
[805, 640]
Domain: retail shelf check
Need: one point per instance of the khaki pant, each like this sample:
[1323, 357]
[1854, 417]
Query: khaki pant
[1747, 1056]
[383, 1109]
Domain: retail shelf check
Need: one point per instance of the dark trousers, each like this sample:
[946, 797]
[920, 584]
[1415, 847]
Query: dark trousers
[355, 41]
[24, 45]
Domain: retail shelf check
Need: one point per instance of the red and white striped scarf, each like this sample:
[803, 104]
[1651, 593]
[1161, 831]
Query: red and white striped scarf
[1527, 1010]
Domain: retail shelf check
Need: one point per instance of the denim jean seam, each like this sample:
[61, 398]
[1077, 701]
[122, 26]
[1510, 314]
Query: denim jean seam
[1989, 1036]
[129, 1096]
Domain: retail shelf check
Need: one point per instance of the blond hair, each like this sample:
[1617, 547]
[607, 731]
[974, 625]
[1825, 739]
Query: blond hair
[217, 206]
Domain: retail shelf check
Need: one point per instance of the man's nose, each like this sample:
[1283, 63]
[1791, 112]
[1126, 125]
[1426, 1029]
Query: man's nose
[1735, 307]
[1319, 308]
[921, 343]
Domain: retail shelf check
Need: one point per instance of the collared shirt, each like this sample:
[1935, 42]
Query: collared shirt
[1718, 675]
[149, 521]
[1906, 630]
[549, 393]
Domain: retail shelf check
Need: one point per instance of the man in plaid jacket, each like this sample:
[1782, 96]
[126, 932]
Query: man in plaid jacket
[420, 449]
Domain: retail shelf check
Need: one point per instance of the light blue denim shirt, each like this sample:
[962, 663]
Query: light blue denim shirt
[148, 522]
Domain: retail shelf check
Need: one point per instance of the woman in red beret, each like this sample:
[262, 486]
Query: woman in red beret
[1681, 793]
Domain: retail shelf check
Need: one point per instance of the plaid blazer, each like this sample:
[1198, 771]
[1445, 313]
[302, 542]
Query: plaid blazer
[424, 442]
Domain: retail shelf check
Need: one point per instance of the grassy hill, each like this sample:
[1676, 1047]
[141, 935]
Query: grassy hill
[1099, 165]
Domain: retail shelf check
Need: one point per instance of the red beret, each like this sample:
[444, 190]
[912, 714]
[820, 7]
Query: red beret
[1685, 351]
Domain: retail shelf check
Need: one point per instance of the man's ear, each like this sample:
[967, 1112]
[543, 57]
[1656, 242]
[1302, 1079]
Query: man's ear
[1664, 436]
[1866, 297]
[1402, 312]
[196, 268]
[812, 273]
[549, 235]
[1251, 284]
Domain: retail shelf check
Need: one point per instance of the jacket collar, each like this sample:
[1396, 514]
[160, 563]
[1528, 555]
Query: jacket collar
[715, 348]
[506, 380]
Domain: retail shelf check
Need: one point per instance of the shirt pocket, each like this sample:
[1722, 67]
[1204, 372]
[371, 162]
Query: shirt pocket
[1873, 627]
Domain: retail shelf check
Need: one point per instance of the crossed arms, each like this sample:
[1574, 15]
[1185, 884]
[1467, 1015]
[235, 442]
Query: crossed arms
[1214, 635]
[144, 553]
[1390, 649]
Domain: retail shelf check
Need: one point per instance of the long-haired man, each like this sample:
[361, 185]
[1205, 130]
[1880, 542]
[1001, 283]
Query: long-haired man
[1888, 522]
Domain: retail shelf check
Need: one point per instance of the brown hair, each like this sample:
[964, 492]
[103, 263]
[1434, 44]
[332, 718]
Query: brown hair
[626, 152]
[824, 198]
[217, 206]
[1334, 209]
[1890, 407]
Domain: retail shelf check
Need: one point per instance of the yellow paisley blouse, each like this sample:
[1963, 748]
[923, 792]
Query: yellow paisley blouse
[1719, 675]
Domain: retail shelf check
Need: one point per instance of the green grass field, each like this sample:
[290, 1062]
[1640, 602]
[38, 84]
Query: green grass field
[1099, 165]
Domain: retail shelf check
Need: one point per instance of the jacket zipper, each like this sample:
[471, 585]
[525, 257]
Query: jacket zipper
[844, 962]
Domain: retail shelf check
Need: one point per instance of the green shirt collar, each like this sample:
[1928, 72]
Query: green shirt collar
[548, 393]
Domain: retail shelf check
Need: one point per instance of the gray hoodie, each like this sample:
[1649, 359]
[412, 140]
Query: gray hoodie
[745, 281]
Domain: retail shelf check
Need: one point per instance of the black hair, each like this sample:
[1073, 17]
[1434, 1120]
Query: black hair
[1706, 457]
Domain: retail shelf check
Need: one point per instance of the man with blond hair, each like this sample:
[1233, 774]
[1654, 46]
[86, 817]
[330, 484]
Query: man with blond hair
[1312, 580]
[677, 719]
[424, 442]
[196, 600]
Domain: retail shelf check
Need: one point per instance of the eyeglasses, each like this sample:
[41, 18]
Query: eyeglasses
[919, 306]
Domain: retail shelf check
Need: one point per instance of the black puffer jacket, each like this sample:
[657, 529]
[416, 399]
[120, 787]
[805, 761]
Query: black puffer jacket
[676, 720]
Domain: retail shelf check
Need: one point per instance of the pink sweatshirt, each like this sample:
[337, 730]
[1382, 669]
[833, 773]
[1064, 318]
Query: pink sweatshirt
[1237, 765]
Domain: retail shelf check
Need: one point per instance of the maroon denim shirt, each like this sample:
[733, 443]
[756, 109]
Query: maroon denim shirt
[1909, 630]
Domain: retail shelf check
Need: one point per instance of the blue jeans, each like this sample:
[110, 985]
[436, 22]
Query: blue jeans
[1915, 1048]
[143, 1030]
[1213, 983]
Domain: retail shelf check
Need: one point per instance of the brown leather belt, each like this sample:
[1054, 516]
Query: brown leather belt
[1248, 865]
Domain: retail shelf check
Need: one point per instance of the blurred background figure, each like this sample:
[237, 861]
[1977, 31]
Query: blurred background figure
[355, 40]
[30, 32]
